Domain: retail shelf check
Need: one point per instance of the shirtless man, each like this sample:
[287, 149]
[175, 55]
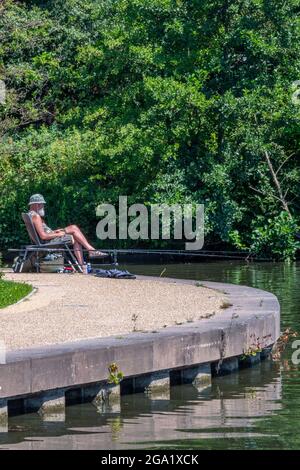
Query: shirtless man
[37, 214]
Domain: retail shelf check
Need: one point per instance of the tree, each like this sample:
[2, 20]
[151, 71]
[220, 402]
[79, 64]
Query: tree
[169, 100]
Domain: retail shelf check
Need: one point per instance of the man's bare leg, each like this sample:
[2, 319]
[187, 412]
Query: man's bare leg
[80, 238]
[77, 233]
[78, 252]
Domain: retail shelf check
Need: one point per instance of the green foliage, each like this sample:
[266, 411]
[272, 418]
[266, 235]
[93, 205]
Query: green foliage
[275, 237]
[164, 101]
[1, 273]
[115, 375]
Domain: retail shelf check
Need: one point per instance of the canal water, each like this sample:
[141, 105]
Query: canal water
[257, 408]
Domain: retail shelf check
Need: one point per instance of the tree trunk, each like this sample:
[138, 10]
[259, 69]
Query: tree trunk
[277, 184]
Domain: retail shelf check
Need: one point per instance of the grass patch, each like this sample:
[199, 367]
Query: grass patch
[11, 292]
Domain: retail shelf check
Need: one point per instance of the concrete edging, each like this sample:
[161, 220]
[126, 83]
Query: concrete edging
[34, 291]
[254, 313]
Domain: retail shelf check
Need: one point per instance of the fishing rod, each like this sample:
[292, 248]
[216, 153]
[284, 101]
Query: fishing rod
[233, 255]
[185, 253]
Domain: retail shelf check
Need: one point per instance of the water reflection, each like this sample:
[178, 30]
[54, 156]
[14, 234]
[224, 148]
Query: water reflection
[229, 408]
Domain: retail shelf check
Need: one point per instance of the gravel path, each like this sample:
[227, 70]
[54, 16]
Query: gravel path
[73, 307]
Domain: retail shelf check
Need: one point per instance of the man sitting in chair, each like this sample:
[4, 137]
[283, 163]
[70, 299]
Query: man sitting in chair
[70, 233]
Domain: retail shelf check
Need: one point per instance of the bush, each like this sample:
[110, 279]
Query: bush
[275, 237]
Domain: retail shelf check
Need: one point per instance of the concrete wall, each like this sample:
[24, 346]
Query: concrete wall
[254, 313]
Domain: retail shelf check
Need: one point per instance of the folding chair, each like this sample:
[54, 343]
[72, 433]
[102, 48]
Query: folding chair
[38, 248]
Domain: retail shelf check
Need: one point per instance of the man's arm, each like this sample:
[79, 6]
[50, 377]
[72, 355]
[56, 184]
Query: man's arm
[37, 221]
